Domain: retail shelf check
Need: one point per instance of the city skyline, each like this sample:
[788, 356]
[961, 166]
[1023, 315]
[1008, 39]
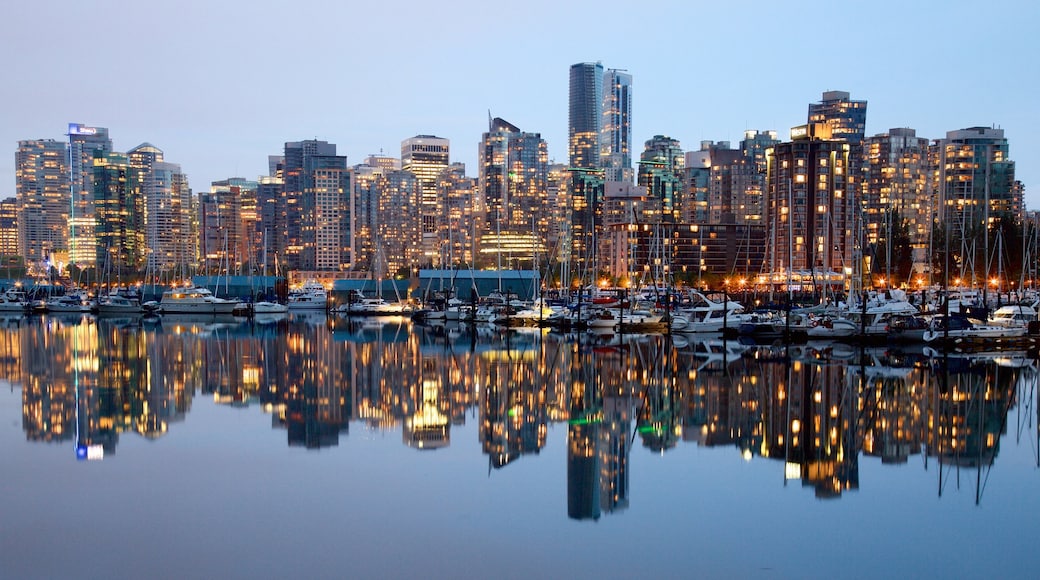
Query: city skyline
[224, 114]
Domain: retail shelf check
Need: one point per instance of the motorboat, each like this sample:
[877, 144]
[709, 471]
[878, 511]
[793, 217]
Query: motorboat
[1013, 316]
[706, 315]
[195, 301]
[76, 302]
[14, 300]
[267, 307]
[827, 326]
[118, 305]
[374, 307]
[311, 296]
[961, 327]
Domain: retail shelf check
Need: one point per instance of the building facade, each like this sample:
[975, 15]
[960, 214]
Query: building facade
[426, 156]
[84, 141]
[42, 190]
[810, 208]
[615, 144]
[584, 115]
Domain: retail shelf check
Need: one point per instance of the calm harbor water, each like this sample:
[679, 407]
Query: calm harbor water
[325, 447]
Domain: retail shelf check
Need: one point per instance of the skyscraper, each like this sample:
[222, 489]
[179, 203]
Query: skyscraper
[118, 214]
[42, 188]
[584, 117]
[84, 141]
[169, 243]
[318, 204]
[615, 144]
[426, 156]
[513, 181]
[397, 235]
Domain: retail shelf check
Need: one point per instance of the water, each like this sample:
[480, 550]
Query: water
[314, 447]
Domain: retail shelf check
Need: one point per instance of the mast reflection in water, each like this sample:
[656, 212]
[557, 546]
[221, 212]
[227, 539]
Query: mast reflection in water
[815, 410]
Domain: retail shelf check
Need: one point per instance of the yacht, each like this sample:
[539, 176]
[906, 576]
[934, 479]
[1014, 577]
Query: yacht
[118, 304]
[374, 307]
[1013, 316]
[267, 307]
[706, 315]
[75, 302]
[194, 301]
[312, 296]
[13, 300]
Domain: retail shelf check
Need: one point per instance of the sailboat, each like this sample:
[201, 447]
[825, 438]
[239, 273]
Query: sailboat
[266, 306]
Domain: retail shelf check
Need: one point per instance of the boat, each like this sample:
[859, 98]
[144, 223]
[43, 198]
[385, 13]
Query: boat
[118, 305]
[267, 307]
[827, 326]
[706, 315]
[311, 296]
[956, 327]
[907, 328]
[75, 302]
[14, 300]
[1013, 316]
[195, 301]
[374, 307]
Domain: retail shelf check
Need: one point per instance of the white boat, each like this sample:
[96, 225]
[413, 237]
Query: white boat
[13, 300]
[374, 307]
[831, 327]
[1013, 316]
[75, 302]
[312, 296]
[118, 305]
[266, 307]
[194, 301]
[961, 327]
[706, 315]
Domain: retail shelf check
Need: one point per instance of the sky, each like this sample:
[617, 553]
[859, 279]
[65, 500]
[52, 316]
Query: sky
[219, 85]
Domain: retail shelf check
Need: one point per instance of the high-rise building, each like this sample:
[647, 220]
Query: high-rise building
[615, 144]
[896, 187]
[584, 225]
[977, 187]
[270, 220]
[661, 173]
[513, 183]
[318, 207]
[118, 214]
[228, 233]
[397, 225]
[8, 229]
[42, 188]
[366, 204]
[426, 156]
[465, 213]
[584, 117]
[168, 235]
[84, 141]
[846, 118]
[810, 202]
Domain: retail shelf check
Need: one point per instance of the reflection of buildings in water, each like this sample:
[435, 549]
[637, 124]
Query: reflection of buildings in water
[968, 410]
[513, 410]
[93, 380]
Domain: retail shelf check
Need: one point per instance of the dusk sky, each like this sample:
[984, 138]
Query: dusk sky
[219, 85]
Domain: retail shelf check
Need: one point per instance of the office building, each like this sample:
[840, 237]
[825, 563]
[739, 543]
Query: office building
[9, 230]
[170, 241]
[661, 173]
[398, 236]
[84, 141]
[119, 214]
[318, 207]
[426, 156]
